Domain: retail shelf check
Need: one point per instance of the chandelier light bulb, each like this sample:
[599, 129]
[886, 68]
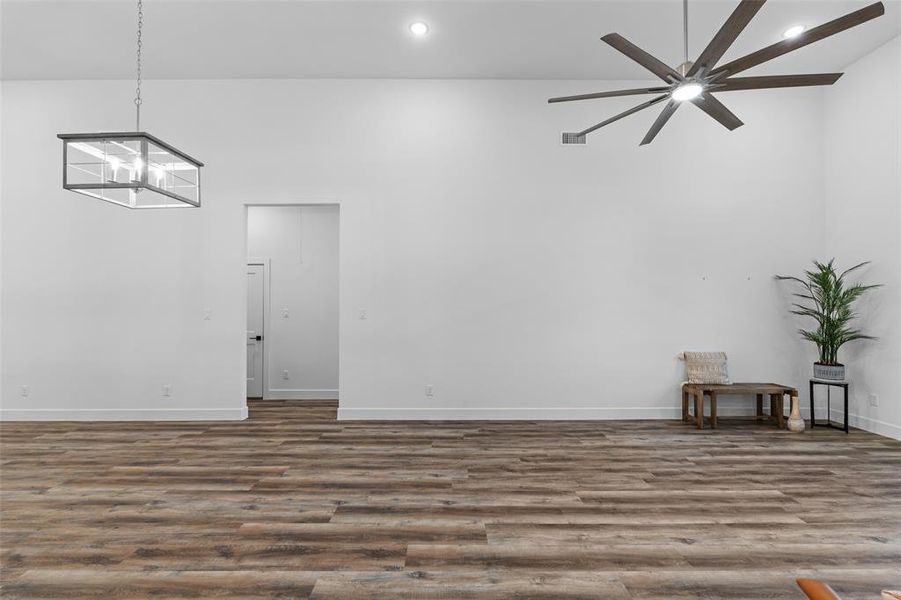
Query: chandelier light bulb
[419, 29]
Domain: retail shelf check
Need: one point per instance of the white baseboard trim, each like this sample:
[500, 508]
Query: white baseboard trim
[510, 414]
[535, 414]
[301, 394]
[867, 424]
[125, 414]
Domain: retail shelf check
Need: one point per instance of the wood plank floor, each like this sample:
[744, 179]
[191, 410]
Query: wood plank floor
[295, 504]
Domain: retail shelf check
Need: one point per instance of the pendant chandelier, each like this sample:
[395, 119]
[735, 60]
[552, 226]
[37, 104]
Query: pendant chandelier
[131, 169]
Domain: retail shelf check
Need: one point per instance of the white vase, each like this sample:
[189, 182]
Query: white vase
[795, 422]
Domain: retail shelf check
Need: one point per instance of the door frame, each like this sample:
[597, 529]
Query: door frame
[321, 201]
[260, 262]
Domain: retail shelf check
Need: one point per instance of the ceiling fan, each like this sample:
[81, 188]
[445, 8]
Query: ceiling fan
[697, 81]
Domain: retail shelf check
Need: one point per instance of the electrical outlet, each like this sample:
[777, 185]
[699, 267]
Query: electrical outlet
[207, 314]
[167, 390]
[285, 313]
[285, 374]
[24, 391]
[363, 314]
[429, 391]
[874, 400]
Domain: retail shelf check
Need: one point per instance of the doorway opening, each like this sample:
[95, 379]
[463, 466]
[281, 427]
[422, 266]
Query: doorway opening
[292, 301]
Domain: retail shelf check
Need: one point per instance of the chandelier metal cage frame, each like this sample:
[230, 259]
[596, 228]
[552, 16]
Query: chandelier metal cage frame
[131, 169]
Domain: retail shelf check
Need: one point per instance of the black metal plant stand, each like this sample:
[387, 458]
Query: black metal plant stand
[829, 385]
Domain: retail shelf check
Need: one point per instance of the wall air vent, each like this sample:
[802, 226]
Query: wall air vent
[572, 138]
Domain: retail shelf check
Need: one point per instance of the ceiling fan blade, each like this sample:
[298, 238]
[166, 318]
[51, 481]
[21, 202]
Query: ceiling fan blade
[632, 110]
[717, 110]
[668, 111]
[727, 34]
[652, 64]
[808, 37]
[776, 81]
[653, 90]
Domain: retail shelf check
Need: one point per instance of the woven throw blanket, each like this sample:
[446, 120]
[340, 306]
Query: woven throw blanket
[706, 367]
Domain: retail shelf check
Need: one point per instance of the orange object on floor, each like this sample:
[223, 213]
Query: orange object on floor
[817, 590]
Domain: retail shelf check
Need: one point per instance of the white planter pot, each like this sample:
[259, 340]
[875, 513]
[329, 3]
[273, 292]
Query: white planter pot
[830, 372]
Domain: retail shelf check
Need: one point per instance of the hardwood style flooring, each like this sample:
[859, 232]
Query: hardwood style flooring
[295, 504]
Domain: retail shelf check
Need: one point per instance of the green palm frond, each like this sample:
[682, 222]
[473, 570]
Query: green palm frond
[830, 303]
[854, 268]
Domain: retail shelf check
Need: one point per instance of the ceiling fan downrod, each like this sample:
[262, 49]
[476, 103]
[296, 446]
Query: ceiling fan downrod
[686, 64]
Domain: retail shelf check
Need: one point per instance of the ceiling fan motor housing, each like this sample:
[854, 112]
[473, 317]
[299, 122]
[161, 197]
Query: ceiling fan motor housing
[685, 67]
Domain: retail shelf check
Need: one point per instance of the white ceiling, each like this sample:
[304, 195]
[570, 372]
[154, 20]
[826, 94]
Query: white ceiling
[551, 39]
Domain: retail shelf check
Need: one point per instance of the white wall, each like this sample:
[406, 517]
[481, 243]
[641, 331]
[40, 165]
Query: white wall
[863, 222]
[518, 277]
[301, 245]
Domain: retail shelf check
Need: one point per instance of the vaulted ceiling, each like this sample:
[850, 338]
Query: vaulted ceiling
[551, 39]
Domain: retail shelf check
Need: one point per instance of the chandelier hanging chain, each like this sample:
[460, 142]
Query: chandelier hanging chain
[685, 27]
[138, 100]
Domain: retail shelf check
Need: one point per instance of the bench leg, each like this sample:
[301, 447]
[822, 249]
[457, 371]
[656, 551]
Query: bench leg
[685, 415]
[777, 409]
[699, 408]
[759, 407]
[713, 410]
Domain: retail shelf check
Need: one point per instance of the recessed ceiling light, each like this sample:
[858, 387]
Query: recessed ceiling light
[793, 31]
[419, 28]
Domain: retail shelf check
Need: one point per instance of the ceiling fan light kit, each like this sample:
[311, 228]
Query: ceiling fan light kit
[687, 91]
[793, 31]
[695, 82]
[131, 169]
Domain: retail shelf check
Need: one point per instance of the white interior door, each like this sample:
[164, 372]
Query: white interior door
[255, 341]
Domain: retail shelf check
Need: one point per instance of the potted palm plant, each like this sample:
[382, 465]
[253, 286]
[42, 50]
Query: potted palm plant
[829, 301]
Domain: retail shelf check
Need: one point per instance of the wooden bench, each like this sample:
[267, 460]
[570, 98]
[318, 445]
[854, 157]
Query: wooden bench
[775, 391]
